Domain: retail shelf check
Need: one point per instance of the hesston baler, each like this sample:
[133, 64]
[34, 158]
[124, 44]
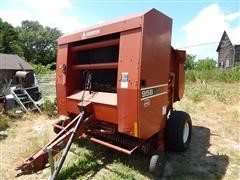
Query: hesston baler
[116, 83]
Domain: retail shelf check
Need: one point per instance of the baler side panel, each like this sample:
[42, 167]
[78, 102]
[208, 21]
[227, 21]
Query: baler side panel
[61, 73]
[129, 57]
[156, 48]
[180, 57]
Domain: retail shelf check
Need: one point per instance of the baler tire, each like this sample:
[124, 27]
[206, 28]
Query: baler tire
[157, 163]
[56, 129]
[174, 135]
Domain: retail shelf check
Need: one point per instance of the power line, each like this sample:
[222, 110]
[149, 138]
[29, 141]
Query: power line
[196, 45]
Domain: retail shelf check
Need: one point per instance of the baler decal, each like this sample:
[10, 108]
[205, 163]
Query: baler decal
[124, 80]
[135, 129]
[84, 35]
[153, 91]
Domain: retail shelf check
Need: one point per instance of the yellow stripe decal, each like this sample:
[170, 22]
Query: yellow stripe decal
[135, 129]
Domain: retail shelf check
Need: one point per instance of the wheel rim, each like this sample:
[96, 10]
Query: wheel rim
[185, 132]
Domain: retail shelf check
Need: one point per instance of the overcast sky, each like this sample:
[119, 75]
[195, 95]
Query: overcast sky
[194, 22]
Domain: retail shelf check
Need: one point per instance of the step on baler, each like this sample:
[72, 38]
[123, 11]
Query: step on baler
[116, 84]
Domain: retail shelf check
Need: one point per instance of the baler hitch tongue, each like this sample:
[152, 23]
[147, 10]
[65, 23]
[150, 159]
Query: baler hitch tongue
[40, 160]
[23, 169]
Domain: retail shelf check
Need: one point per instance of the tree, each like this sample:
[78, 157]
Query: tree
[9, 39]
[38, 42]
[189, 63]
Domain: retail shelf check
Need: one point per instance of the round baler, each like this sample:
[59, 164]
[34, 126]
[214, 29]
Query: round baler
[116, 84]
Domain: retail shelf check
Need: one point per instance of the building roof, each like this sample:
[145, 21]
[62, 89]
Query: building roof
[13, 62]
[224, 36]
[230, 35]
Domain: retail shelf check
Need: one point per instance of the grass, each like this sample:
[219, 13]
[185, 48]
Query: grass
[213, 154]
[215, 91]
[49, 107]
[24, 137]
[34, 143]
[216, 74]
[103, 163]
[3, 123]
[100, 163]
[41, 69]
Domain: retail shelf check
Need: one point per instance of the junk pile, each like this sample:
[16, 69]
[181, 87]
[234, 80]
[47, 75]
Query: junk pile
[20, 94]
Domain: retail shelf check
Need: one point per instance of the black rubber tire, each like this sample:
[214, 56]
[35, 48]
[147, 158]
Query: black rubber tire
[174, 131]
[157, 163]
[56, 129]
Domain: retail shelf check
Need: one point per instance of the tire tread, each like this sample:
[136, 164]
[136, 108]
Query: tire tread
[173, 134]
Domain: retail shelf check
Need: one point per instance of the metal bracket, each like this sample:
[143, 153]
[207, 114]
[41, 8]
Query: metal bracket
[50, 160]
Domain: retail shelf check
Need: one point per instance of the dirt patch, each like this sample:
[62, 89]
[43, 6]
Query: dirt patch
[24, 137]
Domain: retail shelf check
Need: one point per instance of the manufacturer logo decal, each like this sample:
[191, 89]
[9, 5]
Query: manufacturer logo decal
[84, 35]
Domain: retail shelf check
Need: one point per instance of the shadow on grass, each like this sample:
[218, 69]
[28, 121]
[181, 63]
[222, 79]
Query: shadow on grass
[195, 163]
[3, 136]
[3, 126]
[98, 157]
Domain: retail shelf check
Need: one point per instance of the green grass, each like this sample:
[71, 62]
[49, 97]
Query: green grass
[212, 91]
[97, 162]
[41, 69]
[109, 164]
[49, 107]
[216, 74]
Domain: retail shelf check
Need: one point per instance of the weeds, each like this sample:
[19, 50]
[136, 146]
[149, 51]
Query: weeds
[221, 75]
[106, 163]
[191, 75]
[201, 90]
[205, 70]
[41, 69]
[196, 94]
[49, 107]
[219, 95]
[3, 123]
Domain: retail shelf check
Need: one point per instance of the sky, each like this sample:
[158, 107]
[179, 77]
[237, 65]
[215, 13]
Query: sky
[197, 24]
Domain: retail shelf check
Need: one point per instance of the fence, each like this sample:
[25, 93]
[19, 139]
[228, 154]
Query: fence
[47, 85]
